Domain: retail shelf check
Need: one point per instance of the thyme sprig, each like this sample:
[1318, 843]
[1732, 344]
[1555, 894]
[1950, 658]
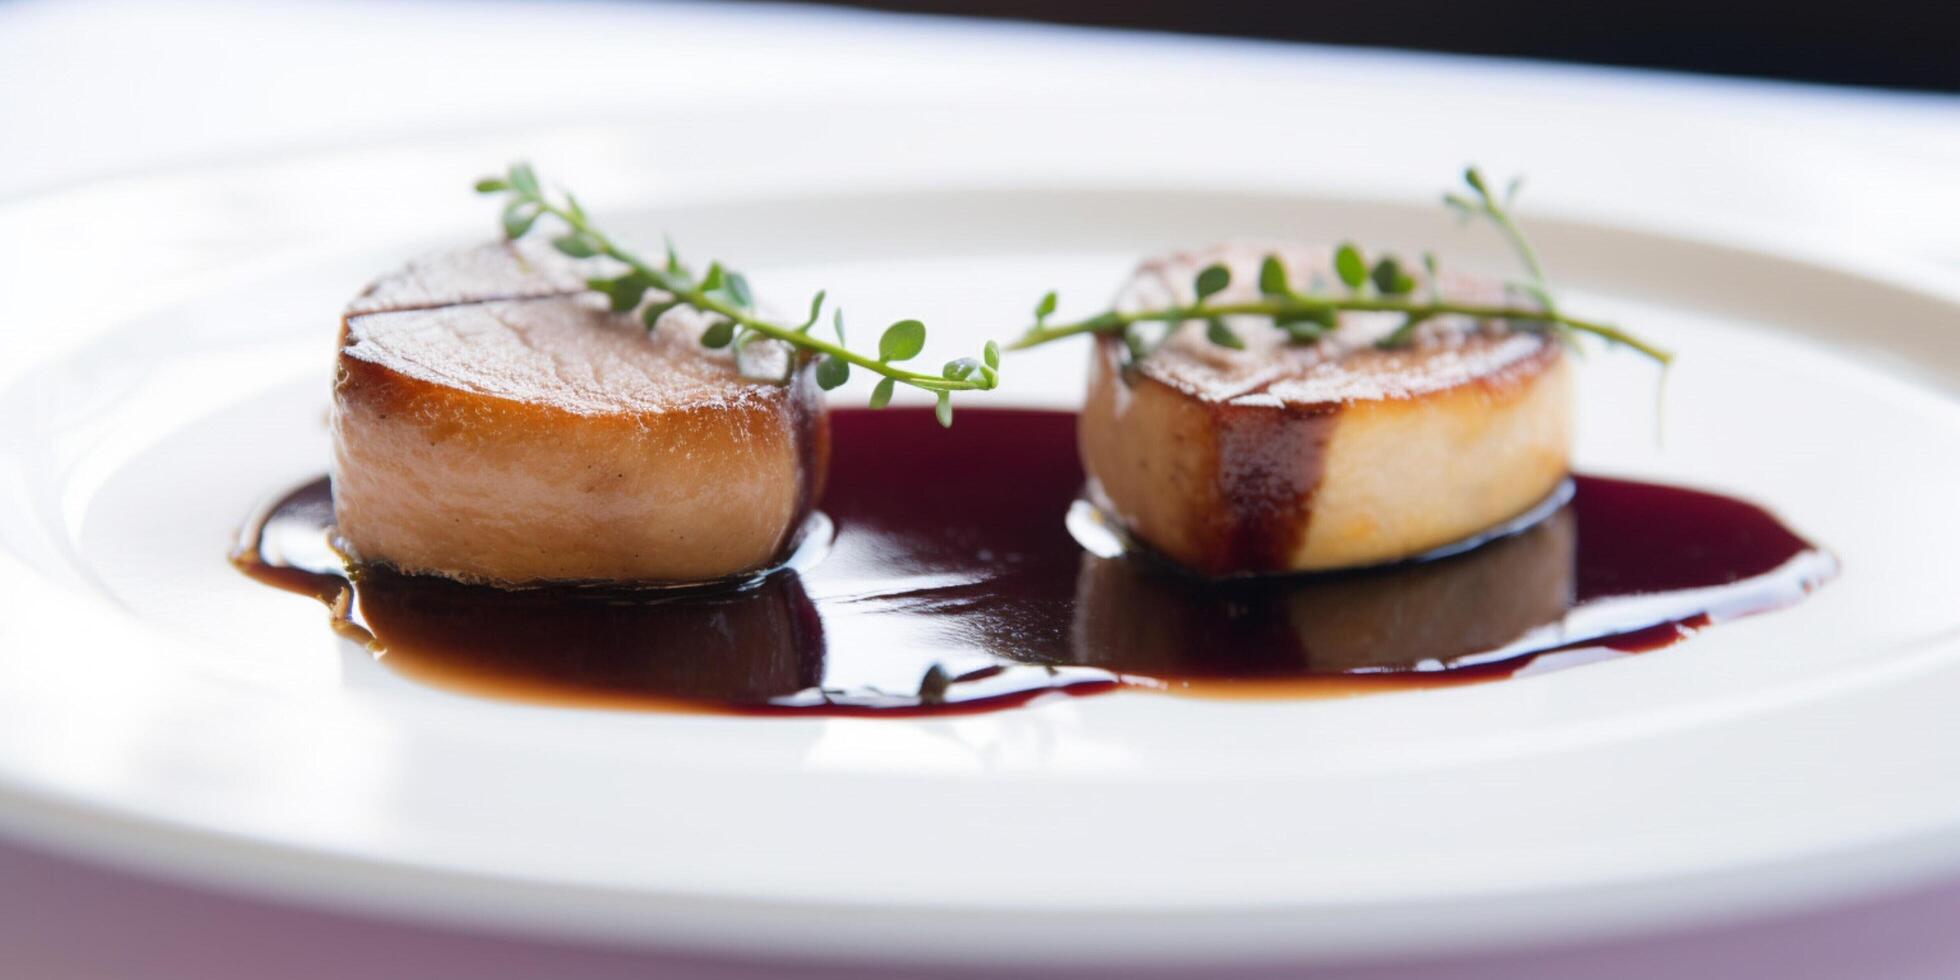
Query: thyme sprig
[723, 296]
[1384, 286]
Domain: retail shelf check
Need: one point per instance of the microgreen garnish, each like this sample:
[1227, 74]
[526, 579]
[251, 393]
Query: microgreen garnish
[723, 296]
[1384, 286]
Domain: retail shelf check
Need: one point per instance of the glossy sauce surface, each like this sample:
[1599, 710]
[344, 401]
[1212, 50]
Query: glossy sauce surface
[953, 584]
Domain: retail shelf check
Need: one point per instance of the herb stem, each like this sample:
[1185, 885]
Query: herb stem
[1295, 306]
[723, 297]
[691, 294]
[1515, 236]
[1309, 317]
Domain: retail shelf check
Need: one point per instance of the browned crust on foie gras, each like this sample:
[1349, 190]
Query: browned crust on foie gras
[541, 438]
[1288, 457]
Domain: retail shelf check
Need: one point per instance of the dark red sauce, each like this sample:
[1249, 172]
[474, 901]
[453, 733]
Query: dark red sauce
[953, 585]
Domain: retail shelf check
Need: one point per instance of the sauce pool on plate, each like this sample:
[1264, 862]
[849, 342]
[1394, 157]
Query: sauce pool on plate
[946, 579]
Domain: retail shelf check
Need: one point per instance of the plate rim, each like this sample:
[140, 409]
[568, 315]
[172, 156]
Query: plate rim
[202, 855]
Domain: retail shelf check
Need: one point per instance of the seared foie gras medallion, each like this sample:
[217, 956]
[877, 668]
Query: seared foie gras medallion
[1300, 457]
[493, 422]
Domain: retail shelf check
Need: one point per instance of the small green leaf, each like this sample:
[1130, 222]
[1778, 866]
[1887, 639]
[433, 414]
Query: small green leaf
[1302, 331]
[832, 373]
[1308, 324]
[1134, 342]
[902, 341]
[1391, 279]
[624, 292]
[1211, 281]
[738, 290]
[518, 219]
[575, 245]
[959, 370]
[1218, 333]
[1350, 266]
[837, 321]
[944, 409]
[1384, 273]
[1475, 178]
[1403, 333]
[628, 296]
[524, 179]
[1045, 307]
[882, 394]
[816, 310]
[719, 334]
[713, 280]
[492, 185]
[652, 314]
[1272, 277]
[673, 259]
[991, 355]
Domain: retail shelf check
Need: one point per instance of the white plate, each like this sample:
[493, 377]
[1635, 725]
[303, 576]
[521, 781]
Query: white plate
[158, 708]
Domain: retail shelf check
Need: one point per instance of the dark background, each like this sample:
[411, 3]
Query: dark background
[1894, 43]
